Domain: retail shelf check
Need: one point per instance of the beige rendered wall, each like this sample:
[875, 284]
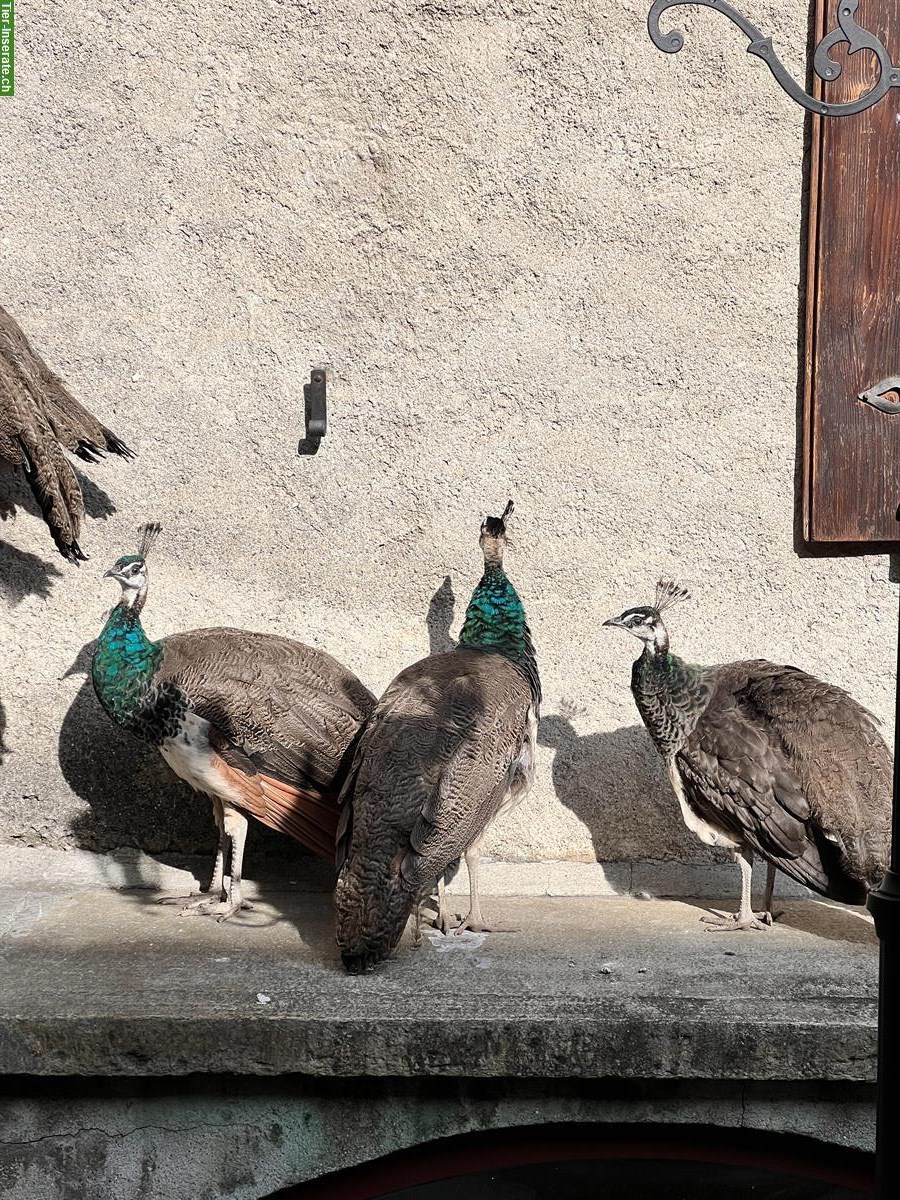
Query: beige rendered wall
[543, 261]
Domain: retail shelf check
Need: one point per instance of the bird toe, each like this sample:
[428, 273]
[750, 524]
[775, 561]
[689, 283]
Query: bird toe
[735, 924]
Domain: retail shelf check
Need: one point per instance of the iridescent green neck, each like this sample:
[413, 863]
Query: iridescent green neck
[495, 621]
[124, 662]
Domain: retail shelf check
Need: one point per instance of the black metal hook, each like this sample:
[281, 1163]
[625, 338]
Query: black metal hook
[314, 412]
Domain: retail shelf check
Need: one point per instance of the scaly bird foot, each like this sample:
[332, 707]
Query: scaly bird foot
[445, 923]
[733, 922]
[230, 908]
[477, 925]
[207, 906]
[190, 903]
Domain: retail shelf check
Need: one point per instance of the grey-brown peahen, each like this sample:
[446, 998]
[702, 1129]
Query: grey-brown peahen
[39, 420]
[448, 749]
[263, 725]
[767, 760]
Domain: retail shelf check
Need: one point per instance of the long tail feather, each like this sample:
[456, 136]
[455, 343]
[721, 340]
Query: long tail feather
[39, 418]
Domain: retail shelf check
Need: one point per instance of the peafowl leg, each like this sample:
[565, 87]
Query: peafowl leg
[235, 824]
[767, 915]
[442, 920]
[745, 918]
[475, 921]
[214, 893]
[217, 883]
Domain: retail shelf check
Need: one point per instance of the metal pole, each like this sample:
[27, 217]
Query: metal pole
[884, 905]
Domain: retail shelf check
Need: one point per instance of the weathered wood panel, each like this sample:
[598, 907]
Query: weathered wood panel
[851, 451]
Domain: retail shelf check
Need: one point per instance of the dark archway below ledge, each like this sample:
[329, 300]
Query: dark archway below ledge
[570, 1162]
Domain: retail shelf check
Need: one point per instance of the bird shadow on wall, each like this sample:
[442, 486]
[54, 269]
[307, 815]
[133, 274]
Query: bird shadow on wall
[23, 574]
[97, 503]
[15, 493]
[133, 798]
[439, 618]
[616, 784]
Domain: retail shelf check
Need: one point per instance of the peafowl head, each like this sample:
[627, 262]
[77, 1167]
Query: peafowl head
[645, 620]
[493, 537]
[131, 569]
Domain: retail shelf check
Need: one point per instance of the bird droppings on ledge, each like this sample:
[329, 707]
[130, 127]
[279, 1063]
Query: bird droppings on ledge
[464, 940]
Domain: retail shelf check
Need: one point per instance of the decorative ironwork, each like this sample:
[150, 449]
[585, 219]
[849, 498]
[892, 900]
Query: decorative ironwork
[826, 68]
[876, 395]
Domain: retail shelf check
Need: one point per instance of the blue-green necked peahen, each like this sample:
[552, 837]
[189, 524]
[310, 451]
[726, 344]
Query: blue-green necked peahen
[766, 759]
[448, 749]
[263, 725]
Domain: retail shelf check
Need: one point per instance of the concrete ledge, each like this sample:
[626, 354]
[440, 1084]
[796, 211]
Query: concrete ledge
[172, 1056]
[107, 983]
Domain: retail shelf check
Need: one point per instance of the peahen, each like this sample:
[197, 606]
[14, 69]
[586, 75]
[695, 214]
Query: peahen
[39, 420]
[263, 725]
[448, 749]
[767, 760]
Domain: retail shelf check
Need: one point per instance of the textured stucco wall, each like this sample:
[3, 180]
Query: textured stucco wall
[543, 260]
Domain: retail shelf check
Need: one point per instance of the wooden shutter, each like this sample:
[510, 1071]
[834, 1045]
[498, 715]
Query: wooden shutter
[851, 451]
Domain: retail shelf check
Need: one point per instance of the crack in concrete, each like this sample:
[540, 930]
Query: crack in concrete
[121, 1135]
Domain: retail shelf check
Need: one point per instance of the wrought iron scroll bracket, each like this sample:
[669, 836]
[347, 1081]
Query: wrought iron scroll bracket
[876, 395]
[826, 68]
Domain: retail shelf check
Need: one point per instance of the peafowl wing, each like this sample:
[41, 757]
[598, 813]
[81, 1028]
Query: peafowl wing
[283, 717]
[836, 750]
[743, 773]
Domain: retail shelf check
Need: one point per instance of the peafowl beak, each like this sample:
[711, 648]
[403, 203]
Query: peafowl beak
[614, 623]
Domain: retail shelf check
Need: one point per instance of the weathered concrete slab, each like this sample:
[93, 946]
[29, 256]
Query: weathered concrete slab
[104, 983]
